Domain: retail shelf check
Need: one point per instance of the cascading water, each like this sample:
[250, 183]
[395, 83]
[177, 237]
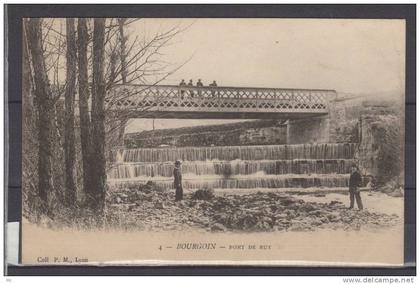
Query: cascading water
[236, 167]
[229, 153]
[279, 181]
[268, 166]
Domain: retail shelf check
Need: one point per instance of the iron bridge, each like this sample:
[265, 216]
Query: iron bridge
[168, 101]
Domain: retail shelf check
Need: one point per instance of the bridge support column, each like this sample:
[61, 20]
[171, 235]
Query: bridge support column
[308, 130]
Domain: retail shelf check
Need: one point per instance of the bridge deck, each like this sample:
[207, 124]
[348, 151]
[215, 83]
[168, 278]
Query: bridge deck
[163, 101]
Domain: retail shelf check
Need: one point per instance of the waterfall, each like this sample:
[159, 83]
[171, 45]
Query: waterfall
[257, 182]
[265, 166]
[235, 167]
[229, 153]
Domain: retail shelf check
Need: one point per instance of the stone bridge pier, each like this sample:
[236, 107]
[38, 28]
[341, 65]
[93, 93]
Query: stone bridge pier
[317, 129]
[309, 130]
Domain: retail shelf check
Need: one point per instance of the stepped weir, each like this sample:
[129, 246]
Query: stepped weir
[268, 166]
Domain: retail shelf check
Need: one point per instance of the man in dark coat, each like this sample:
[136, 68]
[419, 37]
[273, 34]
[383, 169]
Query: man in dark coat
[199, 85]
[190, 85]
[178, 181]
[182, 86]
[354, 184]
[214, 86]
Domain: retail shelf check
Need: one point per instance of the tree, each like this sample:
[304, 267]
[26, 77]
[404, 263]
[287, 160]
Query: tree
[45, 104]
[98, 114]
[123, 55]
[29, 133]
[84, 94]
[123, 58]
[54, 54]
[69, 135]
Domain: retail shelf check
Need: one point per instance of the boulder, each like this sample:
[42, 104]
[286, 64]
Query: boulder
[398, 192]
[334, 217]
[159, 205]
[281, 216]
[203, 194]
[308, 207]
[316, 222]
[217, 227]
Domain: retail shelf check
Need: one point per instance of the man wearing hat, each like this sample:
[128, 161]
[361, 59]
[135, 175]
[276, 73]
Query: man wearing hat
[190, 85]
[354, 184]
[199, 85]
[178, 181]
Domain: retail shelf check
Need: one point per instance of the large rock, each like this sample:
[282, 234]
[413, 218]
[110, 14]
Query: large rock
[159, 205]
[308, 207]
[217, 227]
[334, 217]
[281, 216]
[398, 192]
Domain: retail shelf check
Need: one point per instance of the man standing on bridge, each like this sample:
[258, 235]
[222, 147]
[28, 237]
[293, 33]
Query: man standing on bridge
[190, 85]
[199, 85]
[178, 181]
[213, 86]
[354, 187]
[182, 86]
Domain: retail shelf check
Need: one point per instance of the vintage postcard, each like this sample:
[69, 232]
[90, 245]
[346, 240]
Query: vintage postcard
[213, 141]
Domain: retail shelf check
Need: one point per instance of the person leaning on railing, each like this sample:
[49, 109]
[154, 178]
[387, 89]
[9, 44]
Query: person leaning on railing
[199, 85]
[190, 85]
[213, 86]
[182, 86]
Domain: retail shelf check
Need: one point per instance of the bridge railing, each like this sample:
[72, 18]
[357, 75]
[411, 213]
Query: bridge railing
[184, 98]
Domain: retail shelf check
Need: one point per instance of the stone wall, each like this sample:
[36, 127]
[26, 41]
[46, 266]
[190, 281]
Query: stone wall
[344, 117]
[341, 125]
[255, 132]
[265, 135]
[381, 148]
[376, 125]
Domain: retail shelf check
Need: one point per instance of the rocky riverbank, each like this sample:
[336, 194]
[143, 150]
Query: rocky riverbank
[146, 208]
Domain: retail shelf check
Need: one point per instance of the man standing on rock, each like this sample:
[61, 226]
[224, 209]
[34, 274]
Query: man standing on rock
[354, 187]
[178, 181]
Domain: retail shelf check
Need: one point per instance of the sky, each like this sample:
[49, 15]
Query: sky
[351, 56]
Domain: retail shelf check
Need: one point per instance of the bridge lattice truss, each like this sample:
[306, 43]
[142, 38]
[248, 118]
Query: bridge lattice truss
[218, 99]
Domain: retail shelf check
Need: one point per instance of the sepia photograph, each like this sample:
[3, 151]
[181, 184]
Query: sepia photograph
[213, 141]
